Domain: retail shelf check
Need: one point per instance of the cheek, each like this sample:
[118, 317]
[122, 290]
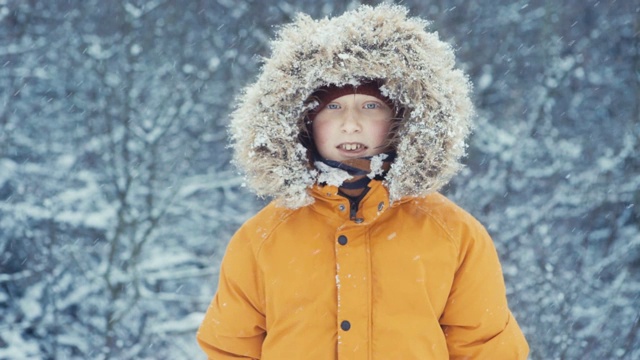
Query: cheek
[381, 132]
[321, 132]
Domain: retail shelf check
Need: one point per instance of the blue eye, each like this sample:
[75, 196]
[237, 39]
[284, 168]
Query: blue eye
[333, 106]
[371, 106]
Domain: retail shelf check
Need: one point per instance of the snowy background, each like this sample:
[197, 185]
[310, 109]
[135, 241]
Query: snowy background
[117, 198]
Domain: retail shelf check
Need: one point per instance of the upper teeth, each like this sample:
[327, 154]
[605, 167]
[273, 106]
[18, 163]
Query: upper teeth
[351, 146]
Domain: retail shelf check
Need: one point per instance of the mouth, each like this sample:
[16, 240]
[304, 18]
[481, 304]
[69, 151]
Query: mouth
[352, 147]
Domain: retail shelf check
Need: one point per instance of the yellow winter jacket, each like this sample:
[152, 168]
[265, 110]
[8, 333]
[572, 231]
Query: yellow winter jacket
[419, 279]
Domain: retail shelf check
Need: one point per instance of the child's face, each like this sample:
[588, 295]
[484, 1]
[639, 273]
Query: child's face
[352, 126]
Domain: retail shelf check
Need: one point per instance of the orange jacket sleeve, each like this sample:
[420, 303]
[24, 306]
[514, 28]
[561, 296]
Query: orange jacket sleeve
[234, 324]
[477, 321]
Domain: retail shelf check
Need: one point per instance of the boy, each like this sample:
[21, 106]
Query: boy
[352, 127]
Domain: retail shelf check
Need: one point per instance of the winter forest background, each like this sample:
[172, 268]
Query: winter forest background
[117, 197]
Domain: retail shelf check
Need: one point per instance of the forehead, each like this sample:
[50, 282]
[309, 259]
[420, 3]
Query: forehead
[356, 98]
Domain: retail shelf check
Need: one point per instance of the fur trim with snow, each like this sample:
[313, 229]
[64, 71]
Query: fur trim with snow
[367, 43]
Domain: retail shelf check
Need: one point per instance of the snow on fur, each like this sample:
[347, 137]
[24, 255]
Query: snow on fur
[367, 43]
[330, 175]
[376, 165]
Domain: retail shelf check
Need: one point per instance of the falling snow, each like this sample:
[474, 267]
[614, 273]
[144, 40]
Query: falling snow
[118, 196]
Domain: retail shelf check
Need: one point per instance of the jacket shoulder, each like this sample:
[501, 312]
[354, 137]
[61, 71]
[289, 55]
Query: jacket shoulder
[259, 227]
[439, 207]
[458, 224]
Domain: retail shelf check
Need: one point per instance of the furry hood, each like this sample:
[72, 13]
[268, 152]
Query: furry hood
[367, 43]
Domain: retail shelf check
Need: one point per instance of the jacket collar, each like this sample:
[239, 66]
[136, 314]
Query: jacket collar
[333, 205]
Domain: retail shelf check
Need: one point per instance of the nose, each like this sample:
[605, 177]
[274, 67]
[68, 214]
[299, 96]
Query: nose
[351, 122]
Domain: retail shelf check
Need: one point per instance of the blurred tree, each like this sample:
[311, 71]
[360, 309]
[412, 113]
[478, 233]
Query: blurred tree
[549, 168]
[115, 142]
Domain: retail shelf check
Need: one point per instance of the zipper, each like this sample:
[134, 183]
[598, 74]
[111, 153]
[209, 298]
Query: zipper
[353, 206]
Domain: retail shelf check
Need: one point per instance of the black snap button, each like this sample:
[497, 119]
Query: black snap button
[345, 325]
[341, 207]
[342, 240]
